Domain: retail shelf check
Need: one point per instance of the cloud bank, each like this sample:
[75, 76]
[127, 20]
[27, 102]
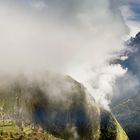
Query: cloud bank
[76, 37]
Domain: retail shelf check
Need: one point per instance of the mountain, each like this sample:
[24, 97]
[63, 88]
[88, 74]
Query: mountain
[56, 105]
[126, 104]
[110, 129]
[128, 114]
[133, 53]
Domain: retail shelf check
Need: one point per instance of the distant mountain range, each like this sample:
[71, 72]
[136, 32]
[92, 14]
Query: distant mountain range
[126, 103]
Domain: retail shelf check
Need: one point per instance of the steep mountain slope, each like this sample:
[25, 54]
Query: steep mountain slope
[57, 105]
[128, 114]
[110, 128]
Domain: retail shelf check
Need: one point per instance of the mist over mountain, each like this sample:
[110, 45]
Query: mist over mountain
[133, 53]
[55, 70]
[59, 105]
[125, 103]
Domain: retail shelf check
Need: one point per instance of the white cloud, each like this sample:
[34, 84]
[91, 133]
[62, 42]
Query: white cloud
[69, 39]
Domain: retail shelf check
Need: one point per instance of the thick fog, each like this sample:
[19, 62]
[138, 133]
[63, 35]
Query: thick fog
[71, 37]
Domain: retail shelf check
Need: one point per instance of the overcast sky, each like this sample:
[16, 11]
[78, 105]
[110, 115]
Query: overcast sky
[130, 9]
[131, 13]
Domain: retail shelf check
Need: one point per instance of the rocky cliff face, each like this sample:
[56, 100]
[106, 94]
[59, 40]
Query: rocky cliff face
[57, 105]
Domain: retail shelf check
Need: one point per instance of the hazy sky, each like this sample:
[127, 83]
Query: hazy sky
[55, 34]
[131, 13]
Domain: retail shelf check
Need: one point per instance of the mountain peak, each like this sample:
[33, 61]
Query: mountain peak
[137, 35]
[136, 39]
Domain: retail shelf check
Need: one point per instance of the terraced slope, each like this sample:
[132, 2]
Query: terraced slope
[10, 131]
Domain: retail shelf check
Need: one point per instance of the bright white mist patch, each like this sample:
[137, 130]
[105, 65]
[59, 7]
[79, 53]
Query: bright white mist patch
[100, 81]
[76, 37]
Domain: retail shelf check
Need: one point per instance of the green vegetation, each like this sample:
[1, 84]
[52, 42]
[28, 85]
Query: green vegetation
[110, 128]
[10, 131]
[121, 135]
